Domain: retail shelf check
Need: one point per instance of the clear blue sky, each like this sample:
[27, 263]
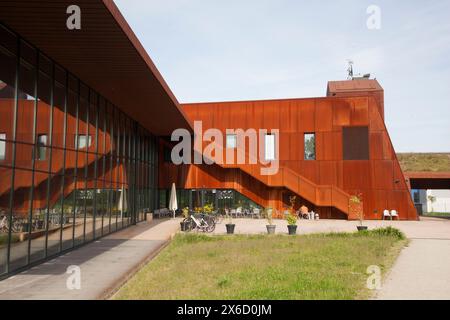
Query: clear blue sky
[220, 50]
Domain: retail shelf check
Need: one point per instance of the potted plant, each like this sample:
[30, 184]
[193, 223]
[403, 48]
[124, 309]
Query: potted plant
[292, 224]
[270, 227]
[208, 209]
[184, 223]
[356, 209]
[230, 225]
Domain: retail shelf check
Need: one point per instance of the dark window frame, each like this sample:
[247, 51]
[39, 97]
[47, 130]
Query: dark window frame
[355, 143]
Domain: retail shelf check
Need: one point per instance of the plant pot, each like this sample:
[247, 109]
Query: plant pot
[26, 227]
[40, 224]
[184, 226]
[292, 229]
[271, 228]
[230, 228]
[361, 228]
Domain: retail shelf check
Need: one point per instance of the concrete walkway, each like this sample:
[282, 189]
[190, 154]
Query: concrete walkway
[104, 264]
[421, 272]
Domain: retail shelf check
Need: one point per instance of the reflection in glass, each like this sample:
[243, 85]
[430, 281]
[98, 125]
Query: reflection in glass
[73, 167]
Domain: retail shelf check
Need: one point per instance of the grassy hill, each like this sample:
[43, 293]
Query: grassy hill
[430, 162]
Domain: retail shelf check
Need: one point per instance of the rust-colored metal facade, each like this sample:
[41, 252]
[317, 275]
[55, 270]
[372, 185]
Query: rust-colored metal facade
[325, 183]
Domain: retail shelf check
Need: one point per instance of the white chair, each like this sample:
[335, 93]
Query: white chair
[239, 212]
[394, 214]
[386, 214]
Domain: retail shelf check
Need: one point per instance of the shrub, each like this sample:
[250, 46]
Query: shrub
[388, 232]
[291, 220]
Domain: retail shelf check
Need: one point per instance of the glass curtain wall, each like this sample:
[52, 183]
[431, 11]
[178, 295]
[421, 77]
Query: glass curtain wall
[73, 167]
[218, 198]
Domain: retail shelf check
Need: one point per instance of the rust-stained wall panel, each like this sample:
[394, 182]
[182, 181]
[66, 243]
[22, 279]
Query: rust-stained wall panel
[379, 178]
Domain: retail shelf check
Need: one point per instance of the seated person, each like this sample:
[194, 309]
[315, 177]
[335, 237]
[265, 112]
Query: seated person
[304, 212]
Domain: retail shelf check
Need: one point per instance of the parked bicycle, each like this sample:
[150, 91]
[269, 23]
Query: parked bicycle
[16, 225]
[200, 222]
[217, 216]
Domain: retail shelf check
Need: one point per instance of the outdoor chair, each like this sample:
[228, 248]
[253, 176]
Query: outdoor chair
[256, 213]
[386, 215]
[233, 213]
[394, 214]
[239, 212]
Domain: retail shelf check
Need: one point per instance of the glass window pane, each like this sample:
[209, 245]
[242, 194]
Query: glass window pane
[39, 214]
[41, 150]
[24, 155]
[310, 146]
[7, 92]
[59, 97]
[26, 104]
[83, 141]
[5, 188]
[231, 141]
[44, 109]
[269, 144]
[2, 146]
[20, 222]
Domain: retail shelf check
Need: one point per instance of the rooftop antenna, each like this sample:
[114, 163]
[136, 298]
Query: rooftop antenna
[352, 76]
[350, 70]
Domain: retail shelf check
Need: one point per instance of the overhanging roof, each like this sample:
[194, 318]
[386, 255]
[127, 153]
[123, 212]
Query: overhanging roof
[428, 180]
[105, 54]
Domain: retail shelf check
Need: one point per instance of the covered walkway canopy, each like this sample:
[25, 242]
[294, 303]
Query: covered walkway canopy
[426, 170]
[428, 180]
[105, 54]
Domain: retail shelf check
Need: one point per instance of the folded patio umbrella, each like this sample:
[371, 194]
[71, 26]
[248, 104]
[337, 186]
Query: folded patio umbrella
[173, 204]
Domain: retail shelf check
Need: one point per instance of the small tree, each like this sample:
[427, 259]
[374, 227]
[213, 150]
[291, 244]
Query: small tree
[269, 217]
[292, 200]
[291, 220]
[432, 200]
[356, 207]
[185, 212]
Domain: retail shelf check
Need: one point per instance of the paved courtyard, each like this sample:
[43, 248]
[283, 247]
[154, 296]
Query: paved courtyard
[428, 228]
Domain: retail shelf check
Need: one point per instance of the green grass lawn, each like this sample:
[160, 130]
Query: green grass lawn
[322, 266]
[437, 214]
